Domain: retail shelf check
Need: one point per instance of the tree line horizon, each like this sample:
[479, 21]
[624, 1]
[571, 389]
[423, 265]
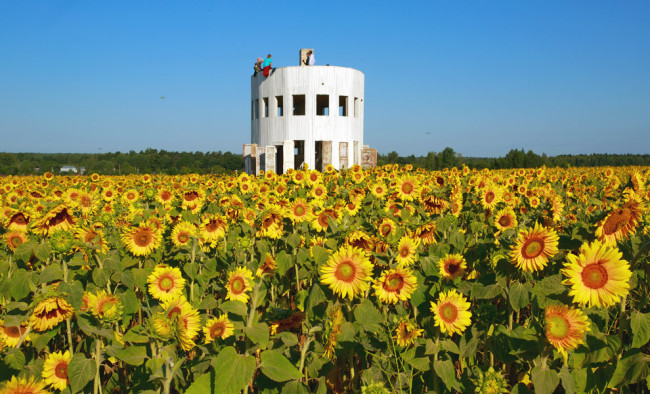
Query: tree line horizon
[154, 161]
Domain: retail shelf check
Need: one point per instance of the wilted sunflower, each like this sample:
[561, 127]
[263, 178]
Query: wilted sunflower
[451, 312]
[57, 218]
[434, 205]
[267, 267]
[239, 284]
[565, 327]
[347, 272]
[395, 285]
[406, 250]
[597, 276]
[361, 240]
[534, 247]
[183, 233]
[55, 370]
[50, 312]
[165, 283]
[407, 332]
[141, 240]
[620, 223]
[452, 266]
[11, 335]
[24, 386]
[220, 327]
[17, 221]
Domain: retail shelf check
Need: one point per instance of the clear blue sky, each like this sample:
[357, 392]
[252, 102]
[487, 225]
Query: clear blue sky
[482, 77]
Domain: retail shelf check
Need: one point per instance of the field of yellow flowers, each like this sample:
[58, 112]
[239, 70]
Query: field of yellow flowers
[380, 281]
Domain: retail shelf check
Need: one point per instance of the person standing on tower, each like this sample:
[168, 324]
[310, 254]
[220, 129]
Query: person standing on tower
[267, 65]
[310, 59]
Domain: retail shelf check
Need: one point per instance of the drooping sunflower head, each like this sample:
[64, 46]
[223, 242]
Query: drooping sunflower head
[347, 272]
[267, 267]
[407, 332]
[620, 223]
[451, 312]
[50, 312]
[565, 327]
[452, 266]
[534, 247]
[598, 276]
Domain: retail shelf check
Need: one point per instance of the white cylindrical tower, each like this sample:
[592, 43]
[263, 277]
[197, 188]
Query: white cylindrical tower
[309, 114]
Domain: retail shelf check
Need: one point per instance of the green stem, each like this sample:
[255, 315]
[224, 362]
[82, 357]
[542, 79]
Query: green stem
[303, 353]
[98, 361]
[22, 337]
[169, 374]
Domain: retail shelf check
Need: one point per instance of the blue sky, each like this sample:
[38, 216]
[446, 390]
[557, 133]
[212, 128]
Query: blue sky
[483, 77]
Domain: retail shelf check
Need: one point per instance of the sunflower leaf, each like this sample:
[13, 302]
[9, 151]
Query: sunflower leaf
[15, 359]
[235, 307]
[258, 333]
[640, 325]
[277, 367]
[80, 371]
[232, 371]
[519, 297]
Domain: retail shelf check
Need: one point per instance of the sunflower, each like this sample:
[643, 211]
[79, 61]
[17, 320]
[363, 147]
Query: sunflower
[50, 312]
[299, 211]
[434, 205]
[271, 225]
[141, 240]
[407, 332]
[321, 222]
[14, 239]
[426, 233]
[183, 233]
[107, 307]
[395, 285]
[55, 370]
[187, 319]
[162, 327]
[451, 312]
[165, 197]
[386, 227]
[239, 284]
[406, 249]
[361, 240]
[620, 223]
[93, 238]
[505, 219]
[334, 331]
[565, 327]
[11, 335]
[407, 188]
[24, 386]
[220, 327]
[58, 218]
[347, 272]
[213, 228]
[597, 276]
[267, 267]
[534, 247]
[452, 266]
[18, 221]
[378, 190]
[319, 192]
[62, 241]
[490, 196]
[165, 283]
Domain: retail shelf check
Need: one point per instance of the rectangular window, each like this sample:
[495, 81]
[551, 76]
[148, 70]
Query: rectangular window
[322, 104]
[298, 104]
[265, 103]
[356, 107]
[343, 105]
[280, 104]
[257, 108]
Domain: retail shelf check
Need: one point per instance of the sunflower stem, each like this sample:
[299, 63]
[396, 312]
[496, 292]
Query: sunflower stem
[22, 337]
[169, 374]
[98, 361]
[622, 325]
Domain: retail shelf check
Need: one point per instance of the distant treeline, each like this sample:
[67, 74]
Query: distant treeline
[153, 161]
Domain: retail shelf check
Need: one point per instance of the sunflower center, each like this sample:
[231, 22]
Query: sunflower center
[346, 271]
[211, 227]
[452, 267]
[12, 332]
[594, 276]
[299, 210]
[532, 248]
[183, 238]
[237, 286]
[448, 312]
[407, 188]
[489, 197]
[394, 283]
[166, 283]
[558, 327]
[61, 370]
[15, 241]
[217, 329]
[143, 238]
[404, 251]
[617, 220]
[504, 221]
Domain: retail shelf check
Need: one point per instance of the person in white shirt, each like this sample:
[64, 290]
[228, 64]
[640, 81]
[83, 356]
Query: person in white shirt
[310, 59]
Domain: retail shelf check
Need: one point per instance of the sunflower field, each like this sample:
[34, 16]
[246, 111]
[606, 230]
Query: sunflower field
[379, 281]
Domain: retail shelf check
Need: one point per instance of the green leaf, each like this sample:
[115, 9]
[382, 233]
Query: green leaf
[544, 379]
[41, 340]
[316, 296]
[51, 273]
[232, 371]
[134, 337]
[276, 367]
[320, 255]
[480, 291]
[234, 307]
[19, 284]
[130, 302]
[133, 355]
[42, 251]
[366, 314]
[258, 333]
[568, 381]
[15, 359]
[549, 285]
[283, 260]
[101, 277]
[445, 369]
[294, 387]
[519, 297]
[640, 325]
[80, 371]
[24, 251]
[420, 363]
[208, 303]
[631, 368]
[202, 385]
[294, 240]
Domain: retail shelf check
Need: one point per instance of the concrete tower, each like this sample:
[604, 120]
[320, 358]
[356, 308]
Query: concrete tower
[306, 114]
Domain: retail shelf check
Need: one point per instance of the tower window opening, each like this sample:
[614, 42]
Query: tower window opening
[322, 104]
[280, 104]
[356, 107]
[252, 109]
[257, 108]
[265, 104]
[298, 153]
[343, 105]
[298, 104]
